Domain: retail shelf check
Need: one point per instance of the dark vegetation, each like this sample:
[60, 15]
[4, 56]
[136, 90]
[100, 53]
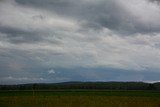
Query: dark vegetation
[84, 86]
[118, 93]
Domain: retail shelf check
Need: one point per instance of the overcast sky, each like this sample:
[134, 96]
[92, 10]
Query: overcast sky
[45, 41]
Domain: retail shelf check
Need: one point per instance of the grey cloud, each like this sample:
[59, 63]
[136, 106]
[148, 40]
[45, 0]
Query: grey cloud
[155, 1]
[19, 36]
[27, 25]
[67, 35]
[96, 14]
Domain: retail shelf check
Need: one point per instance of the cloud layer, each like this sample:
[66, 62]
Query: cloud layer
[79, 39]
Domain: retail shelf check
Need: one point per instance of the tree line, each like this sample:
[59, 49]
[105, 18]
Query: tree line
[85, 85]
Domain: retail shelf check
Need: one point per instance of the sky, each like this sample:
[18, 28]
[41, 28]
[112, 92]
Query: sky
[50, 41]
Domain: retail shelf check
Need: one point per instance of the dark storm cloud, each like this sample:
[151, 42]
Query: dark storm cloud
[155, 1]
[96, 14]
[15, 35]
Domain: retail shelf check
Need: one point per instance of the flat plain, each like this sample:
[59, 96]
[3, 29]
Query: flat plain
[79, 98]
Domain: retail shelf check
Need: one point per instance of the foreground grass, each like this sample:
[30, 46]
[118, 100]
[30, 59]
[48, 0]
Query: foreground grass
[79, 99]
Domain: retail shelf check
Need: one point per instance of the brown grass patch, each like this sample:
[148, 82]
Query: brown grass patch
[78, 101]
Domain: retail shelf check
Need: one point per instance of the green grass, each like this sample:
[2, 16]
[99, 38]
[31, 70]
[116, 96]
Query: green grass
[81, 92]
[80, 98]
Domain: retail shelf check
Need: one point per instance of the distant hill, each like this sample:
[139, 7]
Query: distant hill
[85, 85]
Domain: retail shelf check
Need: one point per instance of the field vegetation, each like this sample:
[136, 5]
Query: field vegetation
[81, 94]
[85, 98]
[78, 101]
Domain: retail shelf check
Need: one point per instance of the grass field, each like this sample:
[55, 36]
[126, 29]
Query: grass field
[81, 98]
